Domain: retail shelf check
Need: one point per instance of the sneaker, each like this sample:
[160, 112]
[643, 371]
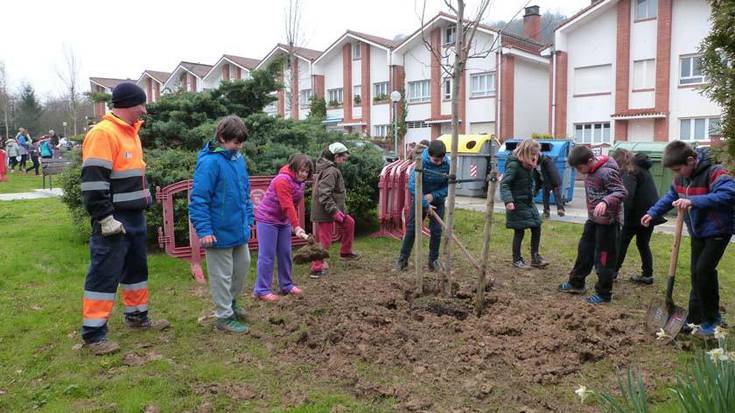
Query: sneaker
[102, 347]
[560, 212]
[350, 256]
[521, 263]
[239, 311]
[400, 265]
[435, 265]
[705, 331]
[147, 324]
[547, 214]
[232, 324]
[596, 299]
[318, 274]
[538, 261]
[270, 297]
[294, 291]
[566, 287]
[641, 279]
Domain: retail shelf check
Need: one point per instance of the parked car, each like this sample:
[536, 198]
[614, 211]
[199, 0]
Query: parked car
[388, 156]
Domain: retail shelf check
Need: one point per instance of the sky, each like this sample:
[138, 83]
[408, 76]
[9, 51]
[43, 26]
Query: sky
[121, 39]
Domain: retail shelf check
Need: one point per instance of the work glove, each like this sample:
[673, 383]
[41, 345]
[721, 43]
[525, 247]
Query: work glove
[111, 226]
[339, 216]
[299, 232]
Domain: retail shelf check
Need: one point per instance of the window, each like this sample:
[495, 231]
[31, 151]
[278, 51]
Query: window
[447, 89]
[356, 51]
[305, 98]
[419, 91]
[644, 74]
[416, 124]
[380, 91]
[645, 9]
[482, 84]
[450, 35]
[356, 92]
[592, 133]
[288, 101]
[592, 79]
[334, 97]
[699, 129]
[691, 70]
[381, 130]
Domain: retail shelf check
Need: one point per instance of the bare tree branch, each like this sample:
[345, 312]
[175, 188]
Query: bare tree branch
[69, 76]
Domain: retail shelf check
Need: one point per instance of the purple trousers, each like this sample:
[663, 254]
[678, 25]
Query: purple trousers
[274, 242]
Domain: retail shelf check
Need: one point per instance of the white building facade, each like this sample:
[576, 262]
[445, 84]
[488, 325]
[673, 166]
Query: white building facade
[229, 67]
[187, 77]
[629, 70]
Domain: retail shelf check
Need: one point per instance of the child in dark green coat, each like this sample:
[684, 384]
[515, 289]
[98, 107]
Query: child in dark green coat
[516, 191]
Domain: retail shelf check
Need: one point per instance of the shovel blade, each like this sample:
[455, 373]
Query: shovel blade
[663, 316]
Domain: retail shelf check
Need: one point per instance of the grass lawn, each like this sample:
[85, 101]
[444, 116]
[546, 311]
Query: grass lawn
[20, 182]
[42, 268]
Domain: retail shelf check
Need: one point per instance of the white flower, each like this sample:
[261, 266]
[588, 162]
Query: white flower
[718, 354]
[694, 327]
[661, 334]
[720, 333]
[582, 392]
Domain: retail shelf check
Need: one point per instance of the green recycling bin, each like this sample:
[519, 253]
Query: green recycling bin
[662, 177]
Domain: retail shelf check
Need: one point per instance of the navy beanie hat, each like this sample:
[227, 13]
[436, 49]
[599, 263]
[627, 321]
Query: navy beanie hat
[127, 95]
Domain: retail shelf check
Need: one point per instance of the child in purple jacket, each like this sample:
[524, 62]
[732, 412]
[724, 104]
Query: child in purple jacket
[276, 218]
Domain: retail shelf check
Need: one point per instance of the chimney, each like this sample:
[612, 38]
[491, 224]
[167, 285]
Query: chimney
[532, 23]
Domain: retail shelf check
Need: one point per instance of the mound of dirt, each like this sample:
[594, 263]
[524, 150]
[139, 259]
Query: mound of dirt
[309, 253]
[434, 354]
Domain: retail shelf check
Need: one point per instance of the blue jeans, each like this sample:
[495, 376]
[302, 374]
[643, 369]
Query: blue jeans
[434, 228]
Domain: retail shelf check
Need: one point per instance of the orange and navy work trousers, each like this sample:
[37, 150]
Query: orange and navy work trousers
[116, 260]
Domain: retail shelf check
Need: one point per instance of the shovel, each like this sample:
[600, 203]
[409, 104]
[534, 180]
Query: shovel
[666, 315]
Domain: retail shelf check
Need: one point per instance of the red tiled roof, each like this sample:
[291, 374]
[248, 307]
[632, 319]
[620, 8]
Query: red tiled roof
[107, 82]
[158, 75]
[375, 39]
[245, 62]
[308, 54]
[644, 112]
[199, 69]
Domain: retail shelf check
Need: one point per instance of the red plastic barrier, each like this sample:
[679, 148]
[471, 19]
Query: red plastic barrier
[193, 252]
[394, 199]
[3, 165]
[384, 189]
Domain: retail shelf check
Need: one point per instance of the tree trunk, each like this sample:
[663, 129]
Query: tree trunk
[460, 57]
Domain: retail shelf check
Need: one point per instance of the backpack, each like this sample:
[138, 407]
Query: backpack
[46, 149]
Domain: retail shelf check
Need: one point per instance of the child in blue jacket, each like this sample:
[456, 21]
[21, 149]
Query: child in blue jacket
[435, 187]
[706, 192]
[222, 215]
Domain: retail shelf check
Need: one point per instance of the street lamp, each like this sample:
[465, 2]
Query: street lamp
[395, 97]
[64, 123]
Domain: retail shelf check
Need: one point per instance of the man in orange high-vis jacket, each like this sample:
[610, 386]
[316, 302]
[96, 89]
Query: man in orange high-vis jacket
[115, 194]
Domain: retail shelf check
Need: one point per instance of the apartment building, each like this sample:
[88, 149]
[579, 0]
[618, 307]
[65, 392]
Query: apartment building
[102, 85]
[629, 70]
[152, 82]
[188, 77]
[229, 67]
[298, 79]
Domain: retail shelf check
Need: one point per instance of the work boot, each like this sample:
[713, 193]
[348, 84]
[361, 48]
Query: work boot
[350, 256]
[102, 347]
[642, 279]
[435, 266]
[147, 324]
[239, 311]
[537, 261]
[232, 324]
[400, 265]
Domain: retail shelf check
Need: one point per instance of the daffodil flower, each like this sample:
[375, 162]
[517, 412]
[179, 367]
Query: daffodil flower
[720, 333]
[718, 354]
[661, 334]
[582, 392]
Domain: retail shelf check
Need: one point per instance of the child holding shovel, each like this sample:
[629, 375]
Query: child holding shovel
[516, 191]
[707, 193]
[276, 219]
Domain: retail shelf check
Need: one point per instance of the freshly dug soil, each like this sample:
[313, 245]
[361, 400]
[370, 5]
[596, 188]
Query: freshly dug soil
[431, 353]
[309, 253]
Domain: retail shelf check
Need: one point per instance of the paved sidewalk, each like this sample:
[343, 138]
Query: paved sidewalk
[576, 211]
[36, 194]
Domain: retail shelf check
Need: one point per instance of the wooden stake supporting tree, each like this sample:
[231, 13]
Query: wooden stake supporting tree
[486, 237]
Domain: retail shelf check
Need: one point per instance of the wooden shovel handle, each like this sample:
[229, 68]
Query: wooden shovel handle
[678, 228]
